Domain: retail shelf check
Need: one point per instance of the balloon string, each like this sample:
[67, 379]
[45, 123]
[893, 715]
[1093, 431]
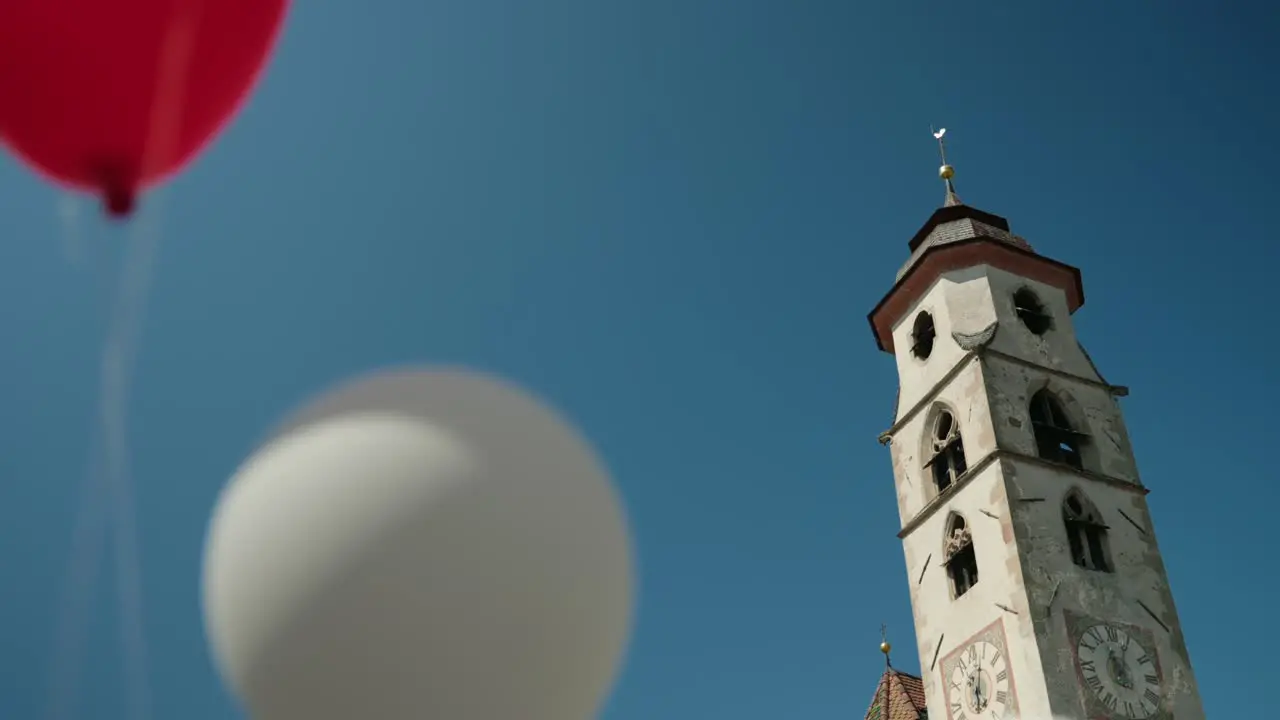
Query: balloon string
[87, 534]
[117, 365]
[108, 494]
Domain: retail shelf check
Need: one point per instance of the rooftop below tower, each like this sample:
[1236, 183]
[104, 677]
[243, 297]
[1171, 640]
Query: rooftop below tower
[899, 696]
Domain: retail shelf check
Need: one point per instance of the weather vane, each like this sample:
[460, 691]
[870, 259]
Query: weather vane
[946, 172]
[940, 136]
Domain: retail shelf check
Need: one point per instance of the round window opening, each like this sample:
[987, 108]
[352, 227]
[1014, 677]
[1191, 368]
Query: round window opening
[922, 335]
[1031, 312]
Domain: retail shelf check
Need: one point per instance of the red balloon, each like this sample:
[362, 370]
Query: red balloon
[113, 96]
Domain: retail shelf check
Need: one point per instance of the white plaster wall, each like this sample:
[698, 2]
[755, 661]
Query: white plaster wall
[954, 620]
[966, 398]
[1054, 583]
[959, 300]
[970, 300]
[1058, 348]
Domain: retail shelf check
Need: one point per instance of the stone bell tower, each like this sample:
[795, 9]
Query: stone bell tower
[1037, 584]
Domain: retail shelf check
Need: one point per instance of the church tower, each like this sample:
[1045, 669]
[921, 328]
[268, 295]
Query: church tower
[1037, 585]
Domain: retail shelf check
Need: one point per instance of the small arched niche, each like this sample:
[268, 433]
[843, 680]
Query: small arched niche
[1086, 532]
[960, 557]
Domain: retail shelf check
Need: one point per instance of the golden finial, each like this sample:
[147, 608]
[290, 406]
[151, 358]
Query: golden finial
[946, 172]
[885, 647]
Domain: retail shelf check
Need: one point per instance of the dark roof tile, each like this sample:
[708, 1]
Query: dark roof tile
[963, 228]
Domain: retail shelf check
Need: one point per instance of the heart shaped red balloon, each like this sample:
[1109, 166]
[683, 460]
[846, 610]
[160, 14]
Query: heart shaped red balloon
[113, 96]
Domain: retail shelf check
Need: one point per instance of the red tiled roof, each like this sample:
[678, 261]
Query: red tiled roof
[905, 697]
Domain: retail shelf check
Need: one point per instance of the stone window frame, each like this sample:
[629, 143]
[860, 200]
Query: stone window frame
[1062, 437]
[959, 555]
[945, 459]
[1088, 535]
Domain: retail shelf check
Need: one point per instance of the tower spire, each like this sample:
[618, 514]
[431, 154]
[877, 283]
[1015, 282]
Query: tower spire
[885, 647]
[885, 712]
[946, 172]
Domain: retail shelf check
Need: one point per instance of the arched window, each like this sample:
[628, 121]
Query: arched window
[1086, 533]
[947, 462]
[1055, 438]
[962, 561]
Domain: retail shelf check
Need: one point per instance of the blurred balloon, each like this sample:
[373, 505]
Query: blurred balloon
[111, 97]
[423, 544]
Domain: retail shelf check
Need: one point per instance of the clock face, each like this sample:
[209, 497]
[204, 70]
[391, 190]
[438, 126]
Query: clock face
[1119, 671]
[978, 683]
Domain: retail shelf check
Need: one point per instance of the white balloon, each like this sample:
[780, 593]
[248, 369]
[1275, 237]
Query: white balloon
[421, 545]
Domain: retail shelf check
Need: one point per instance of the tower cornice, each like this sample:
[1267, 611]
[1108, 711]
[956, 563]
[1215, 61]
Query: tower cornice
[976, 354]
[1001, 455]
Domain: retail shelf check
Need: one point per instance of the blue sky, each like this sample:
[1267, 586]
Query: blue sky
[671, 219]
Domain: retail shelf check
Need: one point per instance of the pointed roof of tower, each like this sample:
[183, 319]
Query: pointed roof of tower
[899, 696]
[955, 221]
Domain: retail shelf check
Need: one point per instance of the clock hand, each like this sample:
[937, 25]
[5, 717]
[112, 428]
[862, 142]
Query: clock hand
[1119, 670]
